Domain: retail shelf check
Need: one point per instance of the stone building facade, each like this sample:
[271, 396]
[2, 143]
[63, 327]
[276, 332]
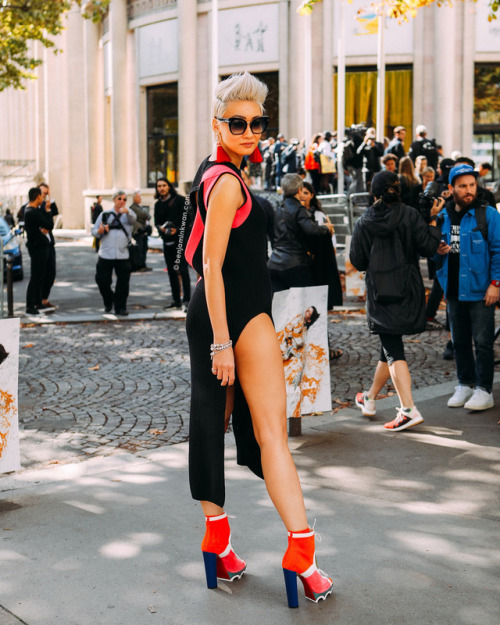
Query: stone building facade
[130, 98]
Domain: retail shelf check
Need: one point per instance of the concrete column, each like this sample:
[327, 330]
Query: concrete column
[284, 67]
[94, 105]
[73, 156]
[295, 86]
[447, 84]
[118, 26]
[327, 122]
[468, 43]
[187, 89]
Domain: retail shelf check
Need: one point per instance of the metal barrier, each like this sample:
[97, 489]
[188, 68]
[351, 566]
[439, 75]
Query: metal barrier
[337, 209]
[358, 203]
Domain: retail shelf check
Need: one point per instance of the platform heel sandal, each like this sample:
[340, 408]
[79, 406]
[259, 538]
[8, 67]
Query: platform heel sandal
[218, 556]
[300, 559]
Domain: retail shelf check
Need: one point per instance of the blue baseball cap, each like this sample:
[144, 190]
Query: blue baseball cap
[462, 169]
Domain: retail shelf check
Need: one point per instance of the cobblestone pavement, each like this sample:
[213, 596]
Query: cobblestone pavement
[99, 387]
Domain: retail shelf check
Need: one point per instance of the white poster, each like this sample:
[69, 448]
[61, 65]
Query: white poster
[249, 35]
[158, 48]
[354, 280]
[301, 321]
[9, 368]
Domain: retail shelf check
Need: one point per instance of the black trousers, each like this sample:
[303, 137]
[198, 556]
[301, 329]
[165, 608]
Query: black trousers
[39, 259]
[142, 244]
[50, 273]
[170, 254]
[104, 276]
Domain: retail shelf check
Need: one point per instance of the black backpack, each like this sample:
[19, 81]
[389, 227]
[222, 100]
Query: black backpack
[482, 224]
[389, 273]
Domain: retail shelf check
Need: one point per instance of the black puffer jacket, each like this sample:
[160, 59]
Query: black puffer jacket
[293, 230]
[372, 242]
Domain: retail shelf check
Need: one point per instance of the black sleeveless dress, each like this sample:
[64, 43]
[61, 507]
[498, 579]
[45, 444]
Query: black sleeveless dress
[248, 294]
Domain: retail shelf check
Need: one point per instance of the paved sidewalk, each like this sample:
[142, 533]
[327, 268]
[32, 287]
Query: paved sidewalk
[409, 524]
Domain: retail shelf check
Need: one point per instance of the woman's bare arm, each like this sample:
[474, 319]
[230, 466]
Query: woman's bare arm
[225, 199]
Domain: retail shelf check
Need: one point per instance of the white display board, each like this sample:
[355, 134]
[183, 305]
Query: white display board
[9, 371]
[304, 347]
[361, 31]
[249, 35]
[158, 48]
[355, 285]
[487, 33]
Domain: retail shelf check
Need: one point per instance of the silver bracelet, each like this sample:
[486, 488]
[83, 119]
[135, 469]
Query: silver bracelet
[219, 347]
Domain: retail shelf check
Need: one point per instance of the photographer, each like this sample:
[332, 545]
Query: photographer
[353, 159]
[142, 229]
[289, 158]
[169, 214]
[114, 228]
[372, 151]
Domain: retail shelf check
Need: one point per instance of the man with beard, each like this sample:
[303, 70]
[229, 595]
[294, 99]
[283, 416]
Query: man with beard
[469, 273]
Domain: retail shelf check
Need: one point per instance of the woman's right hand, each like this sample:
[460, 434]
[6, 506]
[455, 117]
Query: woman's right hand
[223, 366]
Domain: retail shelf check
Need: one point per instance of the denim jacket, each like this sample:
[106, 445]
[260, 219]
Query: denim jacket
[479, 259]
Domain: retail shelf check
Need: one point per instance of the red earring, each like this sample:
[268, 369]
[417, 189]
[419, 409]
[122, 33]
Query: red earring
[256, 156]
[221, 155]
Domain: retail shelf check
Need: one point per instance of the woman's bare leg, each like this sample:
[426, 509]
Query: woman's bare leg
[401, 378]
[259, 367]
[381, 376]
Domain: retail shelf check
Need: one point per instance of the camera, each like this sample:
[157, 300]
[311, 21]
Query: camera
[169, 226]
[426, 199]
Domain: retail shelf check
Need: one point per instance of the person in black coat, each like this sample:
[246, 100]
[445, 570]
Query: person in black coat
[324, 264]
[173, 220]
[290, 262]
[387, 242]
[38, 224]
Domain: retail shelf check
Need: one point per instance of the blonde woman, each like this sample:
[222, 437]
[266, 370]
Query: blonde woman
[236, 363]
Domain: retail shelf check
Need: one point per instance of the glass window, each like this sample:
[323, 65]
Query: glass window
[486, 149]
[163, 133]
[486, 144]
[487, 94]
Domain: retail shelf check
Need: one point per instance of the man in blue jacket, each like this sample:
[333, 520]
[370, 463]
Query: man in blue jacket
[469, 273]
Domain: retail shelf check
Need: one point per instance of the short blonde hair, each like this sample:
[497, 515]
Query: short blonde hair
[238, 88]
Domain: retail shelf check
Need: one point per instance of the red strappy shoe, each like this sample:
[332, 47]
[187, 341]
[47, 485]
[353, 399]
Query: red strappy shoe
[300, 559]
[220, 560]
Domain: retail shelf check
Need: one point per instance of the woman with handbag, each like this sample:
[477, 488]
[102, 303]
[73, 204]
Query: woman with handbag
[387, 242]
[236, 362]
[312, 162]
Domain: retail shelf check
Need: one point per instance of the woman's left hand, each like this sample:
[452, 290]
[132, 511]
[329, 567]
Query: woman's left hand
[223, 366]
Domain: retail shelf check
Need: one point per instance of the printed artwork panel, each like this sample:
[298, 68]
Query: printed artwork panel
[249, 35]
[301, 321]
[158, 48]
[9, 371]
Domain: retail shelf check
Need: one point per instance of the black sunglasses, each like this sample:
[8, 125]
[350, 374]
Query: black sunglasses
[238, 126]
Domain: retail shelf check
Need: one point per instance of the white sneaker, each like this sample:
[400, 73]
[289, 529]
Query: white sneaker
[366, 405]
[460, 396]
[406, 418]
[480, 400]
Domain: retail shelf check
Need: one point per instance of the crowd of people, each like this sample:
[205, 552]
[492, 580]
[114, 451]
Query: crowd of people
[361, 156]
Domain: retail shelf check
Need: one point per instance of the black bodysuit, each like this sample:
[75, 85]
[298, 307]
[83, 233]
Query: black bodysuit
[248, 294]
